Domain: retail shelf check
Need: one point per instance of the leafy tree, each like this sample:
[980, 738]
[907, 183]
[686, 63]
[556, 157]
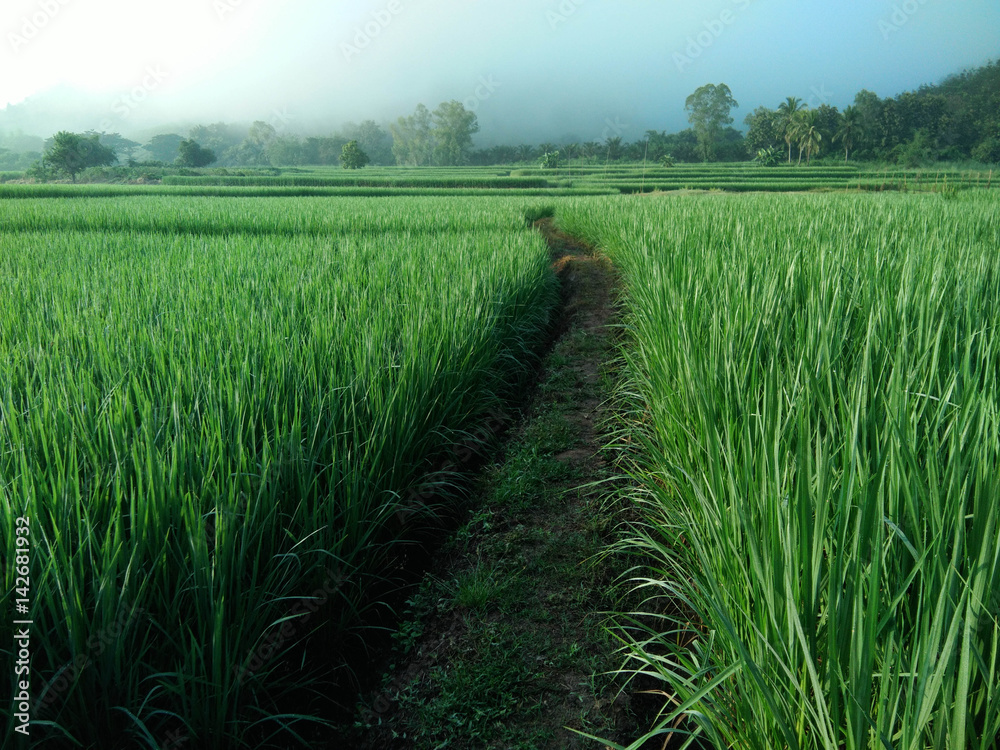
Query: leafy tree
[165, 147]
[253, 151]
[322, 151]
[413, 139]
[732, 146]
[372, 139]
[352, 157]
[221, 138]
[709, 109]
[827, 120]
[590, 149]
[193, 155]
[285, 151]
[849, 130]
[684, 146]
[261, 134]
[550, 160]
[988, 152]
[788, 110]
[667, 160]
[765, 130]
[917, 152]
[123, 147]
[454, 127]
[72, 153]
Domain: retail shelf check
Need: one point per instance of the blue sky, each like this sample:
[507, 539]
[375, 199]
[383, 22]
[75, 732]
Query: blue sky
[538, 69]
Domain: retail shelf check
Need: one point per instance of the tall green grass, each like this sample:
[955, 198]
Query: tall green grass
[216, 434]
[816, 410]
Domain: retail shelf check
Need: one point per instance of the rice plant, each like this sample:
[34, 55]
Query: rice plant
[816, 429]
[223, 418]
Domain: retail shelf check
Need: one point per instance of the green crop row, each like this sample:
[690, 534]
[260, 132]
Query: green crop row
[112, 191]
[266, 216]
[366, 181]
[815, 424]
[218, 432]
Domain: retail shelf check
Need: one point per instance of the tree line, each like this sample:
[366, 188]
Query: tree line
[956, 120]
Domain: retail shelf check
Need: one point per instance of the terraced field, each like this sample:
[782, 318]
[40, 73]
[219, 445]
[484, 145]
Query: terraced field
[568, 180]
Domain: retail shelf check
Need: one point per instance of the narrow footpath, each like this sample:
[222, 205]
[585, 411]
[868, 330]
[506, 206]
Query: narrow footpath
[503, 645]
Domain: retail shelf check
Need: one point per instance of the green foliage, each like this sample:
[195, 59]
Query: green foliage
[765, 130]
[352, 157]
[816, 431]
[767, 157]
[454, 127]
[413, 138]
[72, 153]
[709, 109]
[918, 152]
[988, 152]
[226, 413]
[550, 160]
[849, 131]
[165, 147]
[192, 155]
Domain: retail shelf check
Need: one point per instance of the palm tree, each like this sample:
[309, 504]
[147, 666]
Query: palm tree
[525, 152]
[849, 131]
[615, 148]
[788, 109]
[797, 128]
[809, 136]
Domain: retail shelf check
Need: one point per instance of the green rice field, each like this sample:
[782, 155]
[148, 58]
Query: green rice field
[569, 180]
[815, 407]
[229, 403]
[220, 415]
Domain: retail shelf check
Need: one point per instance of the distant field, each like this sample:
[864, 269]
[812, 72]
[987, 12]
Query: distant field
[568, 180]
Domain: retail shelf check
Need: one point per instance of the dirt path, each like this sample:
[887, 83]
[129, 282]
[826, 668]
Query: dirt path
[503, 646]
